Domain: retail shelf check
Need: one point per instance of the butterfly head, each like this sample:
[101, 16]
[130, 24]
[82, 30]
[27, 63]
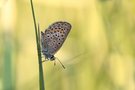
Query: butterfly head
[49, 57]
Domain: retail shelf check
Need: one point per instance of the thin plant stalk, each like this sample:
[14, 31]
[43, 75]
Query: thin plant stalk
[37, 33]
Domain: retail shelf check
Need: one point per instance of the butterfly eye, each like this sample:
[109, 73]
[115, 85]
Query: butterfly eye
[52, 58]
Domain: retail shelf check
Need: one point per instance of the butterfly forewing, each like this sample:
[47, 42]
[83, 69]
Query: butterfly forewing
[55, 36]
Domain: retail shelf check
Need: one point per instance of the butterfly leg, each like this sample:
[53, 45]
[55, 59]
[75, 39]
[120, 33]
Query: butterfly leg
[45, 60]
[42, 56]
[54, 62]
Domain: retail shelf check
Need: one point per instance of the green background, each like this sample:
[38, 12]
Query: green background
[98, 53]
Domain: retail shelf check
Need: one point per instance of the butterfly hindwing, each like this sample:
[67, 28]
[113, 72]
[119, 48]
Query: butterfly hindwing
[54, 36]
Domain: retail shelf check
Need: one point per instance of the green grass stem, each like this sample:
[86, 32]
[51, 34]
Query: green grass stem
[37, 33]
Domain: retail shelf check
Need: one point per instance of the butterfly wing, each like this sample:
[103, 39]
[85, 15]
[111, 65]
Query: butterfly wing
[54, 36]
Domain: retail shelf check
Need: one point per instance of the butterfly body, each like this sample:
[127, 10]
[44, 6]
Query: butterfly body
[53, 38]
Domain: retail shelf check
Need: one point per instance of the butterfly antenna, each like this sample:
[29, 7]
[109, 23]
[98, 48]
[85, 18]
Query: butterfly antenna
[61, 63]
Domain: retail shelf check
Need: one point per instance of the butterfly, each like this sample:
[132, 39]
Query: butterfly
[53, 38]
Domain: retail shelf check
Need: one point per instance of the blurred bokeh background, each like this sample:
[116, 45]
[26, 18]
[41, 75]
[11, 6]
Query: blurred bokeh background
[98, 53]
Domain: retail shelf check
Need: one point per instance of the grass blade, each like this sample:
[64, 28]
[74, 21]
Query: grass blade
[37, 33]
